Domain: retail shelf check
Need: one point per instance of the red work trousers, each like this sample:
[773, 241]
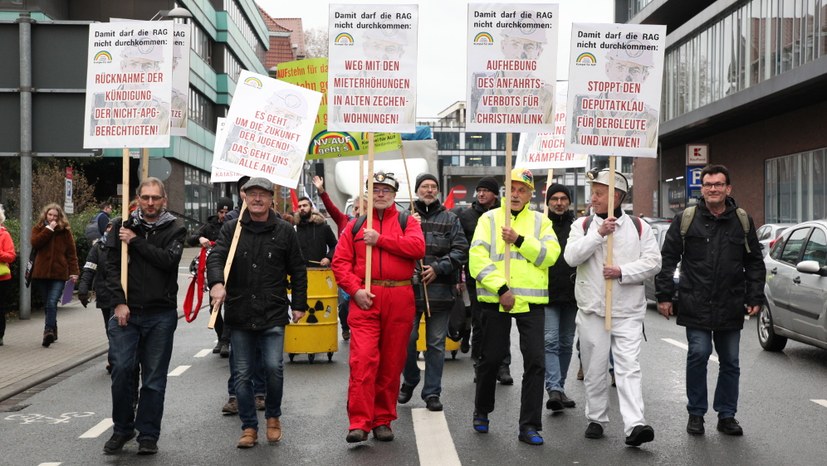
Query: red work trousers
[378, 349]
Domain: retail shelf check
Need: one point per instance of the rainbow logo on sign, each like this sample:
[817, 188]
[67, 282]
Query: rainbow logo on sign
[253, 82]
[483, 38]
[586, 58]
[327, 142]
[343, 38]
[103, 57]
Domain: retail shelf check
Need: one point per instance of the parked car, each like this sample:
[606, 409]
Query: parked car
[768, 233]
[659, 228]
[796, 288]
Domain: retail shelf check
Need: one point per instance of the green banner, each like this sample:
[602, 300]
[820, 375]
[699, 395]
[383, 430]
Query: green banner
[312, 74]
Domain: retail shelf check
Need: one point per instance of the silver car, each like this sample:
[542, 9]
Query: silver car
[796, 288]
[768, 233]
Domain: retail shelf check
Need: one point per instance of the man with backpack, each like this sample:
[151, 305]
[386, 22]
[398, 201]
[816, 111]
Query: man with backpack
[635, 257]
[380, 319]
[97, 225]
[722, 278]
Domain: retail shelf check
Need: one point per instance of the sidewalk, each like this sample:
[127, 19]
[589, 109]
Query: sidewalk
[25, 363]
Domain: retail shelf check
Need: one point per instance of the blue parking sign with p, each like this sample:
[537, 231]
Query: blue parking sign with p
[693, 182]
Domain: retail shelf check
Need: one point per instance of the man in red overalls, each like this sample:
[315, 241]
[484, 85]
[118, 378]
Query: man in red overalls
[380, 320]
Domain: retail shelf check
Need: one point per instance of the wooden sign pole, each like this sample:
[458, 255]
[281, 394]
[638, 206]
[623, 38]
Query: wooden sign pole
[610, 244]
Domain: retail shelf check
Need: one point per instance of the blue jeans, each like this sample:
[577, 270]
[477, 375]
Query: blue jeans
[559, 339]
[245, 343]
[436, 329]
[146, 340]
[726, 390]
[259, 386]
[52, 291]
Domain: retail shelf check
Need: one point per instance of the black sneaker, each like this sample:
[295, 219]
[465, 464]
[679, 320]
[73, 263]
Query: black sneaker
[48, 337]
[116, 442]
[147, 446]
[695, 426]
[555, 401]
[405, 393]
[504, 376]
[224, 352]
[729, 426]
[464, 346]
[433, 403]
[217, 348]
[567, 402]
[640, 435]
[594, 431]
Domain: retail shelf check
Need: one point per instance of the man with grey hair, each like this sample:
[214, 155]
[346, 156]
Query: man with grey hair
[145, 317]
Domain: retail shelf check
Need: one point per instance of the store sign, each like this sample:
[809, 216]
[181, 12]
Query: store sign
[697, 154]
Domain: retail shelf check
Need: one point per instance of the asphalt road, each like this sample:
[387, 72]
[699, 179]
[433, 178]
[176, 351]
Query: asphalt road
[783, 410]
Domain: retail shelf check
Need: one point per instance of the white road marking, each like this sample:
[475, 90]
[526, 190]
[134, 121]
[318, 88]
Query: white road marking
[433, 439]
[203, 353]
[686, 348]
[820, 402]
[50, 464]
[96, 431]
[178, 371]
[420, 364]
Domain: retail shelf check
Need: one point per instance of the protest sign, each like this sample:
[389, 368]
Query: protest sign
[512, 67]
[548, 150]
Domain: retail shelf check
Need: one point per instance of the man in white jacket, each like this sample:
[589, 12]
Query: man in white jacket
[635, 257]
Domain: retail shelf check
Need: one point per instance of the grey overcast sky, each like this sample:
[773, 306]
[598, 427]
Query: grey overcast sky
[442, 28]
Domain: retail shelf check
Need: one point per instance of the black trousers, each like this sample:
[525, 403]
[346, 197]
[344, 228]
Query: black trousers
[496, 329]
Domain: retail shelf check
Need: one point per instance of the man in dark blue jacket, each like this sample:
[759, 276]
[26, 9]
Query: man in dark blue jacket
[721, 279]
[446, 249]
[256, 303]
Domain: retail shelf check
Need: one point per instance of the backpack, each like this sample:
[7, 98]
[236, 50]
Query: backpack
[635, 220]
[689, 214]
[403, 221]
[92, 233]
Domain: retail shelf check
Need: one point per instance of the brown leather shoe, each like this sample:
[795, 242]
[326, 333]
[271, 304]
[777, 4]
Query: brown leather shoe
[273, 429]
[383, 433]
[248, 439]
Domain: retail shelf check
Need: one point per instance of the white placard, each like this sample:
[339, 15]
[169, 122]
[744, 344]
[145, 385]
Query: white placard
[268, 129]
[372, 68]
[615, 76]
[128, 85]
[512, 67]
[180, 79]
[548, 150]
[219, 175]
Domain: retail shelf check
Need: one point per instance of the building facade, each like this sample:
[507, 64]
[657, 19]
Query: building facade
[748, 79]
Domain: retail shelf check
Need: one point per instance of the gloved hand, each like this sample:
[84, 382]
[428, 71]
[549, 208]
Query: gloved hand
[84, 298]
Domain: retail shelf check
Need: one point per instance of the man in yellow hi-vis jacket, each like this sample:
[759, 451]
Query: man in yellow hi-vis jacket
[534, 248]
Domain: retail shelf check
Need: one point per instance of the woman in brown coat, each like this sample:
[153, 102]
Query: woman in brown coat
[56, 262]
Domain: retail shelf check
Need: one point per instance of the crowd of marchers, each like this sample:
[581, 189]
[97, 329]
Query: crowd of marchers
[468, 272]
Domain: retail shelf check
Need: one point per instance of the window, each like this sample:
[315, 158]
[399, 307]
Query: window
[792, 248]
[796, 186]
[816, 249]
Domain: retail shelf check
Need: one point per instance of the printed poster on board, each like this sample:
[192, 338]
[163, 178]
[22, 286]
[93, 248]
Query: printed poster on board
[268, 128]
[180, 79]
[548, 150]
[615, 79]
[325, 144]
[512, 67]
[128, 85]
[372, 75]
[220, 175]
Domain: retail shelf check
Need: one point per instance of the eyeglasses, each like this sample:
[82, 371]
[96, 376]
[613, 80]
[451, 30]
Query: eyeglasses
[382, 190]
[713, 185]
[147, 198]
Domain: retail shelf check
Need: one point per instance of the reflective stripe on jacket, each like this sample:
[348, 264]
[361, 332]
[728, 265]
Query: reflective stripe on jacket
[529, 262]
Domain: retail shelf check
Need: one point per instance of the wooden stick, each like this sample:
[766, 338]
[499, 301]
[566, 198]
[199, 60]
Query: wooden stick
[506, 205]
[548, 185]
[144, 163]
[228, 264]
[411, 207]
[125, 215]
[369, 213]
[610, 244]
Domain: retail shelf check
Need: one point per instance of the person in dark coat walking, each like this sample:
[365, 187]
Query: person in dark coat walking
[722, 278]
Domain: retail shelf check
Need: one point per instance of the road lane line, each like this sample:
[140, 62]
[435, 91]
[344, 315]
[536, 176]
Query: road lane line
[178, 371]
[203, 353]
[433, 439]
[50, 464]
[420, 365]
[686, 348]
[96, 431]
[820, 402]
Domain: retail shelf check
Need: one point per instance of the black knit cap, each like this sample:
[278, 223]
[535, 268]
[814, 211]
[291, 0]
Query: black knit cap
[425, 176]
[224, 203]
[557, 188]
[490, 183]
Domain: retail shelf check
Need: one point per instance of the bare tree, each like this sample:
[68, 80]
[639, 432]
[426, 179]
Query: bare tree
[48, 186]
[315, 42]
